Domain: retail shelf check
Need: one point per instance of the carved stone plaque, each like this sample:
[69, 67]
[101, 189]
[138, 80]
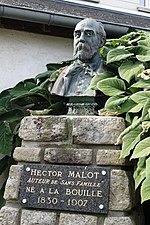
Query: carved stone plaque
[59, 187]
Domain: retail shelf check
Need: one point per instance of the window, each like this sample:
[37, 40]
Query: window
[145, 3]
[144, 6]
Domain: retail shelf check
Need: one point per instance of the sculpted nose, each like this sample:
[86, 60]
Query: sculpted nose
[82, 37]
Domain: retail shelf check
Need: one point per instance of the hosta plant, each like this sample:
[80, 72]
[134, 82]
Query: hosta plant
[127, 83]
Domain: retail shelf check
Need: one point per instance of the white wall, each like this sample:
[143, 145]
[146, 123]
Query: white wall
[24, 55]
[129, 6]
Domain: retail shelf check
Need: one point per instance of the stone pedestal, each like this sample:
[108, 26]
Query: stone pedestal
[73, 140]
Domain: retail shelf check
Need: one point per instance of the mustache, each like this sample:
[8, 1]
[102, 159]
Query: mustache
[82, 46]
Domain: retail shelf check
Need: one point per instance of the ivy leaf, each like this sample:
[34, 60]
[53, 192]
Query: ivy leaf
[145, 188]
[141, 96]
[142, 149]
[111, 86]
[99, 77]
[140, 172]
[114, 102]
[117, 55]
[6, 138]
[128, 70]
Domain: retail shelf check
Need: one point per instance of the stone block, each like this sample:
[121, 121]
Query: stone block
[121, 191]
[43, 128]
[13, 183]
[111, 158]
[119, 221]
[68, 155]
[9, 216]
[27, 154]
[30, 217]
[97, 129]
[77, 219]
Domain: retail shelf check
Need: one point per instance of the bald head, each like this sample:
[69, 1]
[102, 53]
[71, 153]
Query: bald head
[89, 36]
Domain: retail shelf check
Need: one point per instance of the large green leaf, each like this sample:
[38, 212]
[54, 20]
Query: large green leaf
[145, 42]
[144, 58]
[114, 102]
[141, 84]
[142, 149]
[136, 108]
[130, 140]
[44, 75]
[117, 55]
[99, 77]
[12, 115]
[143, 54]
[127, 105]
[111, 86]
[146, 108]
[145, 188]
[22, 88]
[6, 138]
[5, 103]
[129, 69]
[140, 172]
[141, 96]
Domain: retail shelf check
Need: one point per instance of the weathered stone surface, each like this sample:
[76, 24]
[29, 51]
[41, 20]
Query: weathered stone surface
[119, 221]
[111, 157]
[27, 154]
[121, 191]
[43, 128]
[13, 182]
[97, 129]
[30, 217]
[68, 155]
[77, 219]
[9, 216]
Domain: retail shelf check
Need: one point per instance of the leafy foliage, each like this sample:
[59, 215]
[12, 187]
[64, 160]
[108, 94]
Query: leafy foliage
[128, 58]
[15, 103]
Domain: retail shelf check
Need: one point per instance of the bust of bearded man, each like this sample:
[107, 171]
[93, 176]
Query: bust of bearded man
[74, 80]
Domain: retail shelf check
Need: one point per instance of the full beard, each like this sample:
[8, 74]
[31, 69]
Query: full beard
[84, 51]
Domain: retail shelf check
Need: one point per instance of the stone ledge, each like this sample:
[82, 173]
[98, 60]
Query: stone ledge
[68, 155]
[43, 128]
[97, 129]
[13, 182]
[27, 154]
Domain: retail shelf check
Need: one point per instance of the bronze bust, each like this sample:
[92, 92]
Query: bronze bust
[89, 36]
